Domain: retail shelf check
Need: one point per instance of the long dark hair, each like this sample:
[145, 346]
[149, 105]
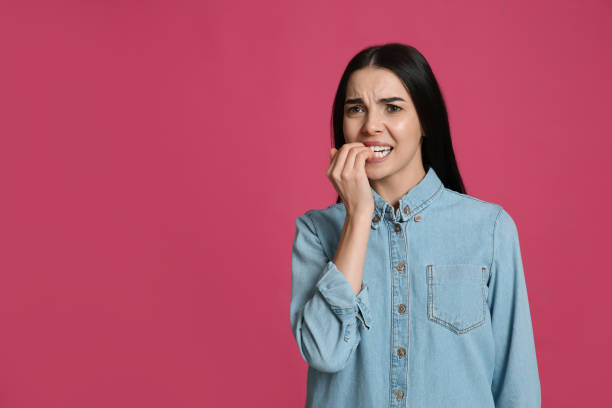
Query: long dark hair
[414, 71]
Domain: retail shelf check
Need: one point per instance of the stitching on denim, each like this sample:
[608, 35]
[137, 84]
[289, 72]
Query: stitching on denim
[362, 314]
[360, 317]
[484, 295]
[456, 264]
[497, 218]
[407, 272]
[440, 321]
[468, 196]
[454, 329]
[425, 203]
[391, 308]
[347, 332]
[429, 293]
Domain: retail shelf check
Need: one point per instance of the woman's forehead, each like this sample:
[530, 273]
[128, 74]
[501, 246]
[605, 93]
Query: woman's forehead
[376, 82]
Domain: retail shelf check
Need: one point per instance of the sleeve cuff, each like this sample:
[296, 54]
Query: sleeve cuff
[338, 293]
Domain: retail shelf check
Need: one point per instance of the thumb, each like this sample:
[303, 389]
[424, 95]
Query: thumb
[332, 153]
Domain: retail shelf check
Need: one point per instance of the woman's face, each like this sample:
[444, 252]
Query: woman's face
[379, 109]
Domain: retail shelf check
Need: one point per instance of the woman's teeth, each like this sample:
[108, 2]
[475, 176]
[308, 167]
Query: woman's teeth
[380, 151]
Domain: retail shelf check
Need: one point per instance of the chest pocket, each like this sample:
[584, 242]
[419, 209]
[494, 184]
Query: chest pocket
[456, 296]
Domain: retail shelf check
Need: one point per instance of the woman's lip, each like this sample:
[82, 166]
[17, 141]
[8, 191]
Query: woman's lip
[376, 144]
[375, 159]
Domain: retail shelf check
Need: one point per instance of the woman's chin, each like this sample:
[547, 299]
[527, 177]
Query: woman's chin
[376, 174]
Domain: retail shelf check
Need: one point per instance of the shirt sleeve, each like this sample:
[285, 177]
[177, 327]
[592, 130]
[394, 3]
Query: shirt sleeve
[326, 316]
[516, 381]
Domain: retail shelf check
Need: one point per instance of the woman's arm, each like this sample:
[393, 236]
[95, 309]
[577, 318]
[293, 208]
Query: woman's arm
[352, 248]
[324, 309]
[516, 381]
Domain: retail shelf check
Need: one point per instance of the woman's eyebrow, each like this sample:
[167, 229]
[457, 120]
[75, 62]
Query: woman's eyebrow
[382, 100]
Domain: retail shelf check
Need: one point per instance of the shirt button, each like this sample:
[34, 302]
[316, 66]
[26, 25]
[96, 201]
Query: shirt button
[401, 352]
[400, 267]
[401, 308]
[397, 228]
[407, 210]
[417, 218]
[376, 218]
[399, 394]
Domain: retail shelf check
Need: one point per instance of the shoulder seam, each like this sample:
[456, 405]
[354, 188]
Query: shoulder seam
[468, 196]
[497, 218]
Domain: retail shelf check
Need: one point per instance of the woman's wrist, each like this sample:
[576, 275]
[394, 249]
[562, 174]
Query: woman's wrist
[359, 217]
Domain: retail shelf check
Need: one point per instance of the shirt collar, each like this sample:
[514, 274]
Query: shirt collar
[411, 203]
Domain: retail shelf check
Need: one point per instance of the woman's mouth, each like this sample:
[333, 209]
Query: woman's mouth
[380, 153]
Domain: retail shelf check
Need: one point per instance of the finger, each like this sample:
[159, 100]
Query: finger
[332, 153]
[337, 164]
[339, 159]
[344, 151]
[362, 156]
[334, 157]
[349, 164]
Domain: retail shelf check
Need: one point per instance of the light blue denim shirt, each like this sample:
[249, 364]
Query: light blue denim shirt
[442, 318]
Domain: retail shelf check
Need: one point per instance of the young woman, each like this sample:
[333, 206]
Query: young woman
[407, 292]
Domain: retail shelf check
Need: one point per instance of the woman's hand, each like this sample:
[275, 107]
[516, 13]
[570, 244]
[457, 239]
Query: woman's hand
[348, 176]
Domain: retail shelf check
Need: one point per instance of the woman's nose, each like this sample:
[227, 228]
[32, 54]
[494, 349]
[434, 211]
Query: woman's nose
[374, 122]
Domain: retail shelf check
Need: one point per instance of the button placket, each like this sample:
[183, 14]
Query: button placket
[400, 317]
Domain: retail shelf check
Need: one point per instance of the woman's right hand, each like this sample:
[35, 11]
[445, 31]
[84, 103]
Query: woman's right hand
[348, 176]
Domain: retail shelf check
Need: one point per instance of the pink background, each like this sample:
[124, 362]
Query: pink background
[154, 157]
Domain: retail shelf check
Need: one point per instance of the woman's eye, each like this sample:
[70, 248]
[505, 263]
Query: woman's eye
[353, 109]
